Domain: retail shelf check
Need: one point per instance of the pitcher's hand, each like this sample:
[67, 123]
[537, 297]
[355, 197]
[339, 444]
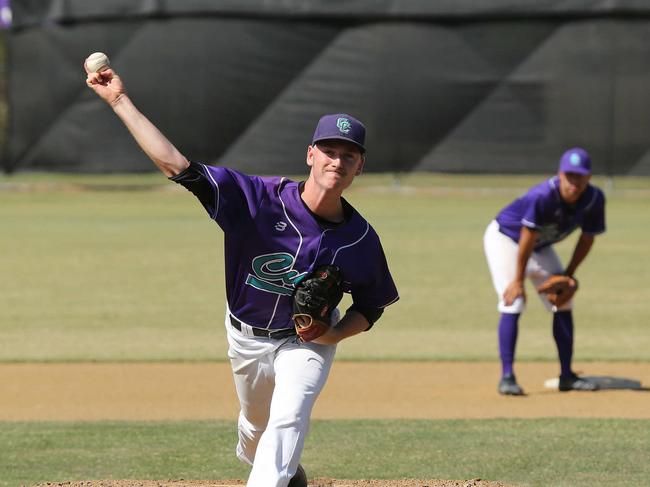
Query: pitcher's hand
[107, 84]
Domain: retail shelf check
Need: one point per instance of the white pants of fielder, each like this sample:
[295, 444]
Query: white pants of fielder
[501, 253]
[277, 383]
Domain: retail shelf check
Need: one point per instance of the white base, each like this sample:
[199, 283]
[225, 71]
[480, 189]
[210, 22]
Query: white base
[604, 382]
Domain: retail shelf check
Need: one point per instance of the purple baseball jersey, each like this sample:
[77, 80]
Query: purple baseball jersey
[272, 241]
[543, 210]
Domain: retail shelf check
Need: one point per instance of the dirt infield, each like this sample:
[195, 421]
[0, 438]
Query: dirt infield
[424, 390]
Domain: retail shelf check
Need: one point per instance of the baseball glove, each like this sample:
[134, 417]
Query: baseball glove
[314, 299]
[559, 289]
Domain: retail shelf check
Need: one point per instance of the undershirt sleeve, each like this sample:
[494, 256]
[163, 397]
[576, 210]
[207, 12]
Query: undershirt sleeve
[369, 313]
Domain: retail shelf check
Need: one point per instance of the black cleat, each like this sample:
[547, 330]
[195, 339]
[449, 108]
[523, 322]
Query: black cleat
[299, 479]
[508, 386]
[576, 383]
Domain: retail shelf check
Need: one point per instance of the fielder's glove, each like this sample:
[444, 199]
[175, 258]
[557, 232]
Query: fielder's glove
[314, 299]
[559, 289]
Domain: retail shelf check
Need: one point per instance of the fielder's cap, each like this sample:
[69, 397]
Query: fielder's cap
[343, 127]
[576, 160]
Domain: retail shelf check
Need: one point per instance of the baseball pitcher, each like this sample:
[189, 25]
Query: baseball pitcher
[519, 244]
[291, 250]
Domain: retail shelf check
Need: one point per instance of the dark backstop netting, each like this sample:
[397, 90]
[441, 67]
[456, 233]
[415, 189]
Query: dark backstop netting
[459, 86]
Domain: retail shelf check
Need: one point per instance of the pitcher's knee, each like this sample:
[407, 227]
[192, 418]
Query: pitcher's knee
[249, 437]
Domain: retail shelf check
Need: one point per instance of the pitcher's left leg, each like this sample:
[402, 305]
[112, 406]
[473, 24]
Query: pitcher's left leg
[301, 371]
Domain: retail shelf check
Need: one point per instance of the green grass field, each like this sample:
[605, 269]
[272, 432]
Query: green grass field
[570, 453]
[128, 268]
[109, 275]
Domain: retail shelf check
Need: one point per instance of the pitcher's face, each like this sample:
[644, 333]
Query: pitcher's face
[334, 163]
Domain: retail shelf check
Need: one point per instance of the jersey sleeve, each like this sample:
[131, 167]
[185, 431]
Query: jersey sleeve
[229, 197]
[534, 210]
[593, 222]
[378, 289]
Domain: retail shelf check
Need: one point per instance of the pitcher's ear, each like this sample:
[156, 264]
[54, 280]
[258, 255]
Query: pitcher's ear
[310, 155]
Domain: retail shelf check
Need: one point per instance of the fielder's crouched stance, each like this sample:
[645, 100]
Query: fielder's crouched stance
[280, 235]
[518, 244]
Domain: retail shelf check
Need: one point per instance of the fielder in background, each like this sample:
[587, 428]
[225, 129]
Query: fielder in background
[278, 234]
[519, 244]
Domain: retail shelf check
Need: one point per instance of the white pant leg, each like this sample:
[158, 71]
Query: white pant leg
[543, 264]
[501, 253]
[277, 383]
[251, 359]
[301, 371]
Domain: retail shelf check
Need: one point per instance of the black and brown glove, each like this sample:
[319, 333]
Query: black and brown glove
[314, 299]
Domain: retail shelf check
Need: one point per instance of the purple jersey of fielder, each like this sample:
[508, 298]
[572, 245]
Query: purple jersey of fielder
[543, 210]
[272, 240]
[519, 244]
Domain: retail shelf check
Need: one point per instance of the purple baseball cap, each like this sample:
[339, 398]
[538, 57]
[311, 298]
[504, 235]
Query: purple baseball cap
[343, 127]
[575, 160]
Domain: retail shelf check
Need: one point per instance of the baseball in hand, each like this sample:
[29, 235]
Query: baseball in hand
[97, 62]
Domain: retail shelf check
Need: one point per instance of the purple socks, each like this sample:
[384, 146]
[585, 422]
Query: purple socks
[508, 328]
[563, 334]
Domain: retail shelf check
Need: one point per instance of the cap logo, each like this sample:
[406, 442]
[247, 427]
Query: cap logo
[574, 159]
[343, 125]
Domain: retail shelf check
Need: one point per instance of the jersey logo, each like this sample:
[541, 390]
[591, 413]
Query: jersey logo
[343, 125]
[552, 233]
[274, 273]
[280, 226]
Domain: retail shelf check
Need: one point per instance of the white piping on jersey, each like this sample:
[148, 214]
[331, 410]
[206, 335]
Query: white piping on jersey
[295, 257]
[594, 197]
[284, 209]
[196, 178]
[352, 244]
[216, 193]
[528, 224]
[390, 302]
[320, 242]
[588, 205]
[275, 308]
[593, 200]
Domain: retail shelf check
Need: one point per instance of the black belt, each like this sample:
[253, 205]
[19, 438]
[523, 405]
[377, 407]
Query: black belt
[261, 332]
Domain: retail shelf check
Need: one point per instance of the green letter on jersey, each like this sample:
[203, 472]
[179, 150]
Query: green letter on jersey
[274, 273]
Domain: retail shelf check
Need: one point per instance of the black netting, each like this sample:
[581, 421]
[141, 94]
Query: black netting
[500, 89]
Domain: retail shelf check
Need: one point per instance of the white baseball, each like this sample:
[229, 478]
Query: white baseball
[97, 62]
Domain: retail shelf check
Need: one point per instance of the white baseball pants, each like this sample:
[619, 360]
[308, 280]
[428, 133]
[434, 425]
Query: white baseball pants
[277, 383]
[501, 253]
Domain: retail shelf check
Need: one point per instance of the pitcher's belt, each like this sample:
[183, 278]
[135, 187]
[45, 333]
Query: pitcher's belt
[261, 332]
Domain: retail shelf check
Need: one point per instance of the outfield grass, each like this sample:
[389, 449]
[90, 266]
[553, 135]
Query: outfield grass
[99, 269]
[544, 452]
[128, 268]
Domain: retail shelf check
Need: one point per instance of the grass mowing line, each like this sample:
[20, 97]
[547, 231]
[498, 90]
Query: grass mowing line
[388, 180]
[540, 452]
